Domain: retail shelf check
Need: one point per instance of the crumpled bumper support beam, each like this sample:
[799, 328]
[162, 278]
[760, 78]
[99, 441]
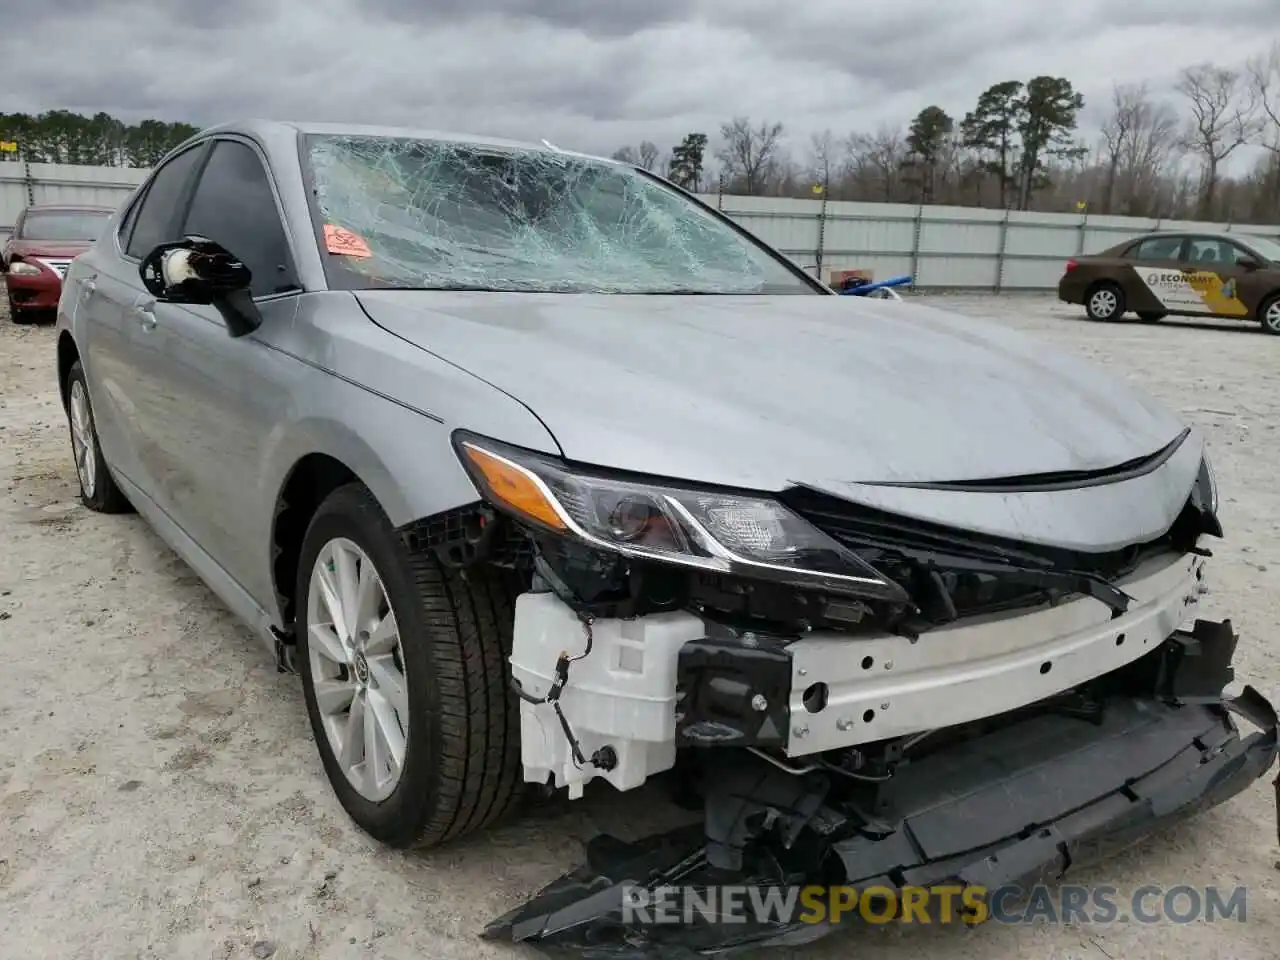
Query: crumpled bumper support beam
[1023, 803]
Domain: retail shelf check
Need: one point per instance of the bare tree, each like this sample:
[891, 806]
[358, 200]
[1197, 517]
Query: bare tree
[1117, 132]
[1138, 141]
[650, 156]
[879, 161]
[1264, 79]
[1222, 120]
[626, 154]
[824, 159]
[750, 153]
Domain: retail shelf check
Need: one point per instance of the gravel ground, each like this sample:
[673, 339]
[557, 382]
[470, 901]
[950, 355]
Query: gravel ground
[160, 795]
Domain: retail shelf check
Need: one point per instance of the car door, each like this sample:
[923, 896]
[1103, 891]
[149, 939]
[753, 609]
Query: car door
[213, 400]
[107, 286]
[1215, 274]
[1255, 279]
[1159, 283]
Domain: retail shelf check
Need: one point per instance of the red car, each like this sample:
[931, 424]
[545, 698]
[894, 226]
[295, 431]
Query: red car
[44, 242]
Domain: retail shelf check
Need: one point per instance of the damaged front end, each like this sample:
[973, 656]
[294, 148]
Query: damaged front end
[1018, 800]
[854, 698]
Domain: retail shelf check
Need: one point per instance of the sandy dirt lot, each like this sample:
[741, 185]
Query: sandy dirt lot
[160, 796]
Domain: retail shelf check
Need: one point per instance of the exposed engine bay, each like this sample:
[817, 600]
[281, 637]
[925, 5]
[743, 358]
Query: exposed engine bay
[877, 732]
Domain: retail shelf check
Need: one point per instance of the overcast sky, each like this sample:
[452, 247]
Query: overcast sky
[595, 74]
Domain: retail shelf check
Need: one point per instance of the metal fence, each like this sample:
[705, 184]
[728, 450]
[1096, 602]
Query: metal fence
[942, 247]
[23, 184]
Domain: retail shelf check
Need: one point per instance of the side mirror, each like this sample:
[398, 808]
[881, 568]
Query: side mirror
[1248, 262]
[196, 270]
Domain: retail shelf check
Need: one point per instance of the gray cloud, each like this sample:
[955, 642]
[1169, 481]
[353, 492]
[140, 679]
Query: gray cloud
[589, 16]
[593, 75]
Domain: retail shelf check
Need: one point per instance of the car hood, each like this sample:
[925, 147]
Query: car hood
[766, 392]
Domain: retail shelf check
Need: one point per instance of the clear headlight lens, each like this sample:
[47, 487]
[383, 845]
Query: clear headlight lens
[731, 533]
[20, 268]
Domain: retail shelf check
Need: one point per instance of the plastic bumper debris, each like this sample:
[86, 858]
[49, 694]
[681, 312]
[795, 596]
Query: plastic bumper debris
[1020, 804]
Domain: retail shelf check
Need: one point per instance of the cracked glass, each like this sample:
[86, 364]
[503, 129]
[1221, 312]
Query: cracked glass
[437, 214]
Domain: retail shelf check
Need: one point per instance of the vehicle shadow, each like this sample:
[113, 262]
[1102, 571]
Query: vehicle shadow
[1187, 323]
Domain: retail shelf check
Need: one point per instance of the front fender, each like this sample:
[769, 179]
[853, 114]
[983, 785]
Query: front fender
[381, 408]
[404, 459]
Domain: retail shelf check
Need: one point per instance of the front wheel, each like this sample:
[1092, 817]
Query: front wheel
[16, 315]
[1269, 315]
[98, 490]
[404, 672]
[1105, 302]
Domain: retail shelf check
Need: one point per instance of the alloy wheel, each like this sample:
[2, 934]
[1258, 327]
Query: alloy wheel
[357, 668]
[82, 442]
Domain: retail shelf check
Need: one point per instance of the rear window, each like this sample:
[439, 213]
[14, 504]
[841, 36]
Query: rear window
[1155, 248]
[68, 225]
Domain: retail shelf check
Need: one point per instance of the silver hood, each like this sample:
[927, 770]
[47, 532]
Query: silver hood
[836, 393]
[765, 391]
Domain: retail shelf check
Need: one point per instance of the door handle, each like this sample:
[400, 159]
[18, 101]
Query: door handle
[145, 315]
[87, 286]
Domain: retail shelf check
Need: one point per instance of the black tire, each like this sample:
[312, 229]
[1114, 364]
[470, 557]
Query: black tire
[16, 315]
[106, 496]
[461, 768]
[1097, 297]
[1269, 315]
[1151, 316]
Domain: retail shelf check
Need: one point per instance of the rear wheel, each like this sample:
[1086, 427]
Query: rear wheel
[1269, 315]
[404, 672]
[1105, 301]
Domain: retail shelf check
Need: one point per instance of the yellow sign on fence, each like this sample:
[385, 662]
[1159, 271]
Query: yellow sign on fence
[8, 146]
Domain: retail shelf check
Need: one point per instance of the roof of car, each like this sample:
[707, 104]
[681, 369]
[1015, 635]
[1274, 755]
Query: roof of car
[1217, 234]
[268, 127]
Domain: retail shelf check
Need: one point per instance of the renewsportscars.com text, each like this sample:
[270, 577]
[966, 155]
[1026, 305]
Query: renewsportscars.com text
[1148, 904]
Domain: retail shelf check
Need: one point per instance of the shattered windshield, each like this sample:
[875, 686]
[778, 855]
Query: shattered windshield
[433, 214]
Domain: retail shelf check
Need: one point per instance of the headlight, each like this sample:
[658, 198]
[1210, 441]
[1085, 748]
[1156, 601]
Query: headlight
[20, 268]
[753, 536]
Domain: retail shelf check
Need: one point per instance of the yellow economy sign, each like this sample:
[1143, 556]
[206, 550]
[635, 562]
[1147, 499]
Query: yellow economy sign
[8, 146]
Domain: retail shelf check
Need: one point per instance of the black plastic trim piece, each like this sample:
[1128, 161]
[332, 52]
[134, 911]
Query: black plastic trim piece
[1050, 482]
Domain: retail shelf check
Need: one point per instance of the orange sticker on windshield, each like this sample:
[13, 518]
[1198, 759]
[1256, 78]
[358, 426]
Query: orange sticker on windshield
[345, 243]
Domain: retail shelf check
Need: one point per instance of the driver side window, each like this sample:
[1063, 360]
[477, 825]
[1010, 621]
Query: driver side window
[152, 216]
[1212, 252]
[234, 206]
[1240, 255]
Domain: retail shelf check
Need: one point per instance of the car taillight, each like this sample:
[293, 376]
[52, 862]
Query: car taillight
[1071, 265]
